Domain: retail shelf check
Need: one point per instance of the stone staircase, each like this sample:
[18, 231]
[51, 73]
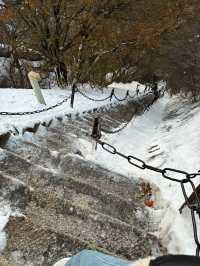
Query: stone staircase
[69, 203]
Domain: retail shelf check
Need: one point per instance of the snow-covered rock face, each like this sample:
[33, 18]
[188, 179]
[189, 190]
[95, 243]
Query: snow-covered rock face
[166, 136]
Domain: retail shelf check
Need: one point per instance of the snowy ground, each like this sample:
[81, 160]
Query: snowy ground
[166, 136]
[20, 100]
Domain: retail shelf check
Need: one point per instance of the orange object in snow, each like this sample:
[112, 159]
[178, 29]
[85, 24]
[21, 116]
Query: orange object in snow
[149, 201]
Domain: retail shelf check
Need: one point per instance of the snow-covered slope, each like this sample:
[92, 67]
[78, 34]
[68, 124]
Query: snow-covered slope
[166, 136]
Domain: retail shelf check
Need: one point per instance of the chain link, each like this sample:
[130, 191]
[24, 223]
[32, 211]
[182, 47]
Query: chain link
[142, 165]
[120, 100]
[65, 100]
[115, 131]
[36, 111]
[132, 97]
[92, 99]
[109, 97]
[168, 173]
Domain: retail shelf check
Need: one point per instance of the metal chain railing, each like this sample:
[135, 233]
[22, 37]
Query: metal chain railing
[92, 99]
[66, 99]
[115, 131]
[168, 173]
[108, 97]
[133, 96]
[119, 129]
[123, 99]
[36, 111]
[72, 101]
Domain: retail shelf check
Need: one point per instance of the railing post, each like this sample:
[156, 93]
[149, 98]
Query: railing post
[137, 89]
[96, 131]
[112, 93]
[34, 78]
[72, 96]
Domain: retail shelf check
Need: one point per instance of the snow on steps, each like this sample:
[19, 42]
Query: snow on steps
[79, 214]
[34, 128]
[69, 204]
[4, 137]
[58, 137]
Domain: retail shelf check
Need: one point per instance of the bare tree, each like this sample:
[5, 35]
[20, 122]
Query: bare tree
[86, 39]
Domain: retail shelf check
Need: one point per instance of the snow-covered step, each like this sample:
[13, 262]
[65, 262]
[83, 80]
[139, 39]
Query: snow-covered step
[107, 123]
[110, 119]
[82, 125]
[56, 138]
[107, 119]
[112, 204]
[14, 191]
[96, 174]
[40, 244]
[68, 128]
[24, 171]
[88, 119]
[80, 180]
[30, 151]
[43, 228]
[13, 164]
[100, 198]
[80, 205]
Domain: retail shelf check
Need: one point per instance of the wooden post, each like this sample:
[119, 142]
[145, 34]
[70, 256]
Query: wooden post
[34, 78]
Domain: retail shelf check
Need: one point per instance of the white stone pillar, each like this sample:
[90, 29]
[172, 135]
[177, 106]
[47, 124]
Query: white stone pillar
[34, 77]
